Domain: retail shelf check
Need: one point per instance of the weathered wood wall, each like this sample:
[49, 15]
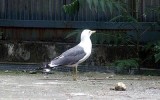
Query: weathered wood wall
[52, 10]
[43, 19]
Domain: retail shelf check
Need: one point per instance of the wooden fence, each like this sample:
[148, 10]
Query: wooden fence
[50, 14]
[43, 19]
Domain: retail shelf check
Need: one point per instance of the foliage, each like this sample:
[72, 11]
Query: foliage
[1, 35]
[111, 38]
[157, 51]
[127, 63]
[125, 17]
[111, 6]
[154, 9]
[121, 38]
[155, 48]
[74, 33]
[157, 44]
[151, 72]
[96, 5]
[72, 7]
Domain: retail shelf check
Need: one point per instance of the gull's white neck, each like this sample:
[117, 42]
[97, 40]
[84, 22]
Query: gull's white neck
[86, 44]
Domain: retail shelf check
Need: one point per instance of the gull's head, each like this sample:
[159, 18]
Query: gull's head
[86, 33]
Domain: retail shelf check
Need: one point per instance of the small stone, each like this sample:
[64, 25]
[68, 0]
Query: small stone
[112, 76]
[6, 71]
[120, 86]
[33, 72]
[46, 76]
[24, 71]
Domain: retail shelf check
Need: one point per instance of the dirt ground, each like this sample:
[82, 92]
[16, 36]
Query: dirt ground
[90, 86]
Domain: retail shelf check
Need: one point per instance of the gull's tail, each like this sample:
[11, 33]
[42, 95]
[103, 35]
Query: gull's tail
[47, 67]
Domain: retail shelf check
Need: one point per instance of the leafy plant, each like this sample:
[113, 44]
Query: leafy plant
[125, 15]
[127, 63]
[111, 38]
[157, 44]
[96, 5]
[1, 35]
[154, 9]
[157, 51]
[74, 33]
[72, 7]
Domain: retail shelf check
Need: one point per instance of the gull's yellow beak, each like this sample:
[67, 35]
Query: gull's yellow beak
[93, 31]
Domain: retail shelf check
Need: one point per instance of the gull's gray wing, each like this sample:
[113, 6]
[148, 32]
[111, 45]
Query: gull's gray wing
[69, 57]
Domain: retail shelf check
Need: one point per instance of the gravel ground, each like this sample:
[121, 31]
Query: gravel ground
[90, 86]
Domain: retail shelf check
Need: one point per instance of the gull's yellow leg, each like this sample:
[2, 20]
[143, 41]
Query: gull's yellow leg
[75, 73]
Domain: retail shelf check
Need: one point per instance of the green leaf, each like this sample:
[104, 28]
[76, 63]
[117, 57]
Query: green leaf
[157, 57]
[1, 34]
[108, 38]
[148, 46]
[127, 63]
[110, 6]
[102, 4]
[90, 2]
[72, 7]
[102, 38]
[82, 2]
[95, 38]
[96, 4]
[73, 33]
[115, 18]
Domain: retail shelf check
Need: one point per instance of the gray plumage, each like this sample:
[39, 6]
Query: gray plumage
[69, 57]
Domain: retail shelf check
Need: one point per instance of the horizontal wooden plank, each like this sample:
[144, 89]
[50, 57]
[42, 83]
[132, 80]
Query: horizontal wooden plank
[77, 24]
